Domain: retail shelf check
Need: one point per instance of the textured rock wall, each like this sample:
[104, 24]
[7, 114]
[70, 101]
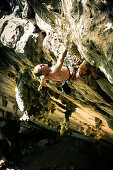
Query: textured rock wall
[35, 32]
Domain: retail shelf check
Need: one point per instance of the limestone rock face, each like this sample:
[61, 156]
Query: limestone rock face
[36, 31]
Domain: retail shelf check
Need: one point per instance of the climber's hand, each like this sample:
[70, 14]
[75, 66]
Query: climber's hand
[42, 83]
[39, 88]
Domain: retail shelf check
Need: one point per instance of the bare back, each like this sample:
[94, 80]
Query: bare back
[58, 75]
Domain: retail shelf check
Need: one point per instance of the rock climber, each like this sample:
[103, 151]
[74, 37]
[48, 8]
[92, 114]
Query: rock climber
[61, 73]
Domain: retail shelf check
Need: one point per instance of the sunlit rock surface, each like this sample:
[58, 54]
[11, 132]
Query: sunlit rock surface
[36, 31]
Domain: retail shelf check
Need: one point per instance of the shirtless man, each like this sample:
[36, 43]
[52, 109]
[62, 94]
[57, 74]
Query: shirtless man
[60, 72]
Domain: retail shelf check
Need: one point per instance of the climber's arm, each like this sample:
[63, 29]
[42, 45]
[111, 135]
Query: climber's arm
[42, 83]
[60, 61]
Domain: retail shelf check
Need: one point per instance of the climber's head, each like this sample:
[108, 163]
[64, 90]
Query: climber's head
[41, 69]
